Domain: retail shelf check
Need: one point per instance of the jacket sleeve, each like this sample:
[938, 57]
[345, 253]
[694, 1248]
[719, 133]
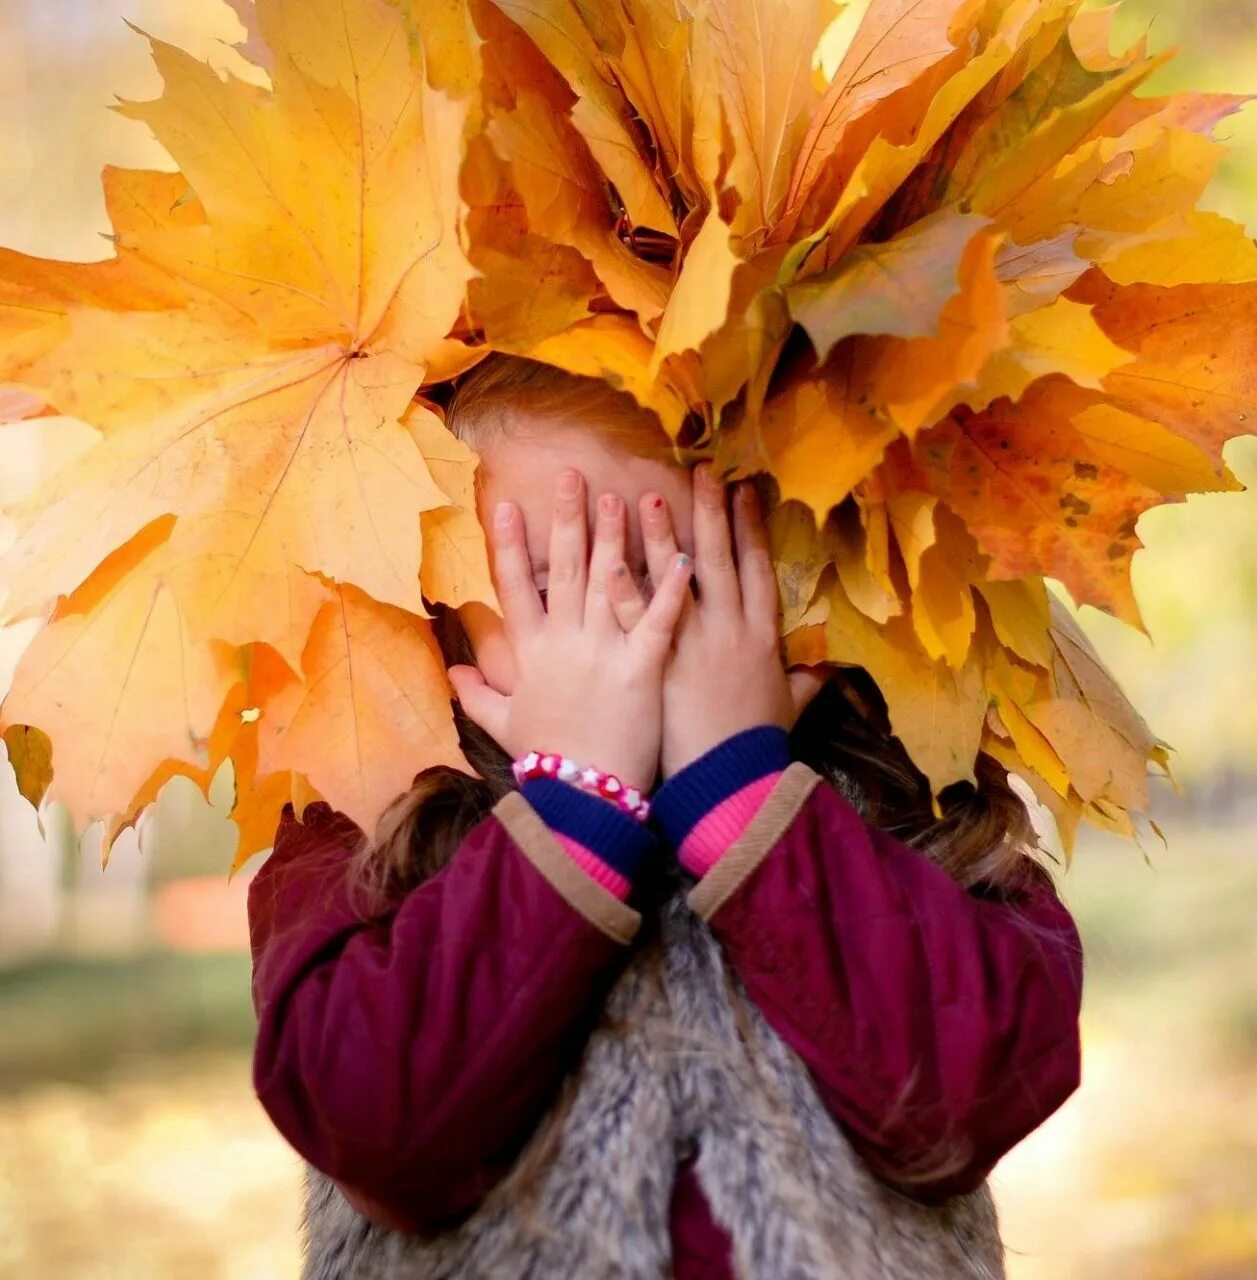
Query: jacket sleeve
[941, 1025]
[409, 1056]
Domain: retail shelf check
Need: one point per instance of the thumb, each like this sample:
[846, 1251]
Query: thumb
[483, 705]
[805, 684]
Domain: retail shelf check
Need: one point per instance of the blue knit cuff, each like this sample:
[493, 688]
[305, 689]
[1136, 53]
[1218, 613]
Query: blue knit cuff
[728, 767]
[622, 842]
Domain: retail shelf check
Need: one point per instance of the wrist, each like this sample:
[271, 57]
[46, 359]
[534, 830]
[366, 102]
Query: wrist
[676, 758]
[713, 794]
[602, 783]
[609, 844]
[638, 774]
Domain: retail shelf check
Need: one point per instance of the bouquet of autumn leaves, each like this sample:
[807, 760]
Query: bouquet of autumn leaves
[934, 265]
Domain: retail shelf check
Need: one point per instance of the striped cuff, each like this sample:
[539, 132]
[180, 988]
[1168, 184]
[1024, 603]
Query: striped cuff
[704, 808]
[602, 840]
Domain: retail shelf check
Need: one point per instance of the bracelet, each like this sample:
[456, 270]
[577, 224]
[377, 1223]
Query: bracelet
[598, 782]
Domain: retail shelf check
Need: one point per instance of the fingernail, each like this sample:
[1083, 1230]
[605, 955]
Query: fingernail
[502, 515]
[568, 484]
[682, 562]
[609, 504]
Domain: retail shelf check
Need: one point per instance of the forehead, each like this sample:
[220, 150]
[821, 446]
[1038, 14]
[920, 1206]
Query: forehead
[521, 468]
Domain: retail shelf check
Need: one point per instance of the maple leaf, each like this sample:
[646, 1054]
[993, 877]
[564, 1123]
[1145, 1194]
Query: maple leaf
[1039, 501]
[1193, 344]
[936, 710]
[897, 287]
[248, 357]
[107, 741]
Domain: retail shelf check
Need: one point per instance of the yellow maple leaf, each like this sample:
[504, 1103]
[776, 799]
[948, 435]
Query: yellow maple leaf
[108, 736]
[373, 687]
[248, 358]
[936, 710]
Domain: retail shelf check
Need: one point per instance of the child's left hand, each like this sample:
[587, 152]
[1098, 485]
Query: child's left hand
[725, 673]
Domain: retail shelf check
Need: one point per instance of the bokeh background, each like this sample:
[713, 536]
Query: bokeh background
[131, 1144]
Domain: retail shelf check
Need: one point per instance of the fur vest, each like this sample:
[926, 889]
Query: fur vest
[680, 1056]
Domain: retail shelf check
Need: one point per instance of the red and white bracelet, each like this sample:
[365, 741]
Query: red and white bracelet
[598, 782]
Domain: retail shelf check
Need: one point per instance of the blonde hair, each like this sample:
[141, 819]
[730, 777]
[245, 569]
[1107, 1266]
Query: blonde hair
[507, 394]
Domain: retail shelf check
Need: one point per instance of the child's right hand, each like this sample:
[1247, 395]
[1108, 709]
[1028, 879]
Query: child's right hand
[588, 666]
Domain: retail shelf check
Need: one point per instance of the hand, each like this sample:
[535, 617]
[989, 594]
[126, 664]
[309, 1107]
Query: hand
[589, 666]
[726, 672]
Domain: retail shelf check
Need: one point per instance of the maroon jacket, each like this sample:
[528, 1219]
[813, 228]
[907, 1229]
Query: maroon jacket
[409, 1058]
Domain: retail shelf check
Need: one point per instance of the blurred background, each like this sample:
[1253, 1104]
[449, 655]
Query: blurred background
[131, 1144]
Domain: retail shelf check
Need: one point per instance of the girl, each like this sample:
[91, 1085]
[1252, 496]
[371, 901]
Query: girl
[777, 1022]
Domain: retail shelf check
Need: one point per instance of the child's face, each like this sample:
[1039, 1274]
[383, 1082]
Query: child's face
[521, 467]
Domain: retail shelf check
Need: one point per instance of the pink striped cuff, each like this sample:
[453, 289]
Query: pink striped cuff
[589, 862]
[712, 835]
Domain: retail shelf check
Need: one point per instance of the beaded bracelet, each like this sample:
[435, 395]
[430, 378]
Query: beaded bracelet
[598, 782]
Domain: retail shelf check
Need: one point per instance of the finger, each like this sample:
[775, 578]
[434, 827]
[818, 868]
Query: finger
[658, 538]
[625, 596]
[608, 551]
[654, 634]
[484, 706]
[755, 563]
[490, 645]
[805, 683]
[512, 572]
[714, 568]
[565, 598]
